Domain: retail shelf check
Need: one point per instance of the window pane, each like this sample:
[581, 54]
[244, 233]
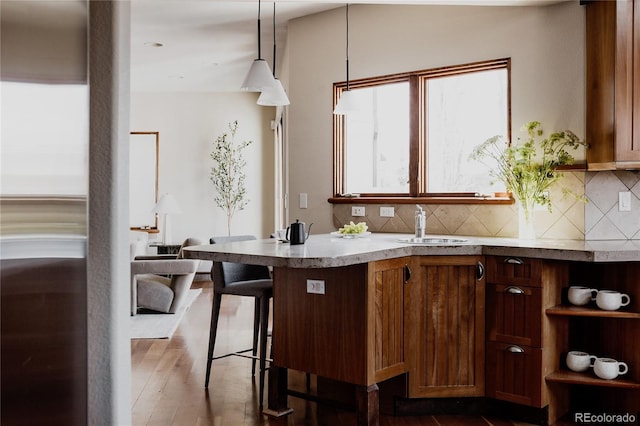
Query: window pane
[50, 158]
[463, 111]
[377, 140]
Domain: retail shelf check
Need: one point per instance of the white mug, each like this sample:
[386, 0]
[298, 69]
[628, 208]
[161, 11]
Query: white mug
[610, 300]
[281, 235]
[609, 368]
[579, 295]
[580, 361]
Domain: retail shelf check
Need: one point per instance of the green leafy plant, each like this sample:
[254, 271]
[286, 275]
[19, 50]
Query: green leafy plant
[227, 174]
[529, 168]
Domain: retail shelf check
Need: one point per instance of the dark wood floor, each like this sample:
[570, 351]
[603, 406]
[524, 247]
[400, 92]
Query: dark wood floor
[168, 378]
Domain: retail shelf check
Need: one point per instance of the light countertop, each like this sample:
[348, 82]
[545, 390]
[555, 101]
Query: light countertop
[325, 251]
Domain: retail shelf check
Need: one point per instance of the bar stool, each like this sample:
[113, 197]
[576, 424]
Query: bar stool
[241, 280]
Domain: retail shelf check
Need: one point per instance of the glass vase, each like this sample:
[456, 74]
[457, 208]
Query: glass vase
[526, 222]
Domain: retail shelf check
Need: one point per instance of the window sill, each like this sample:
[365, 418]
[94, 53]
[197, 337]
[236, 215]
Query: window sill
[421, 200]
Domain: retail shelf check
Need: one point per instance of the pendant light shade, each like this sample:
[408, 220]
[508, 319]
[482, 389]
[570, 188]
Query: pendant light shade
[275, 95]
[259, 76]
[346, 103]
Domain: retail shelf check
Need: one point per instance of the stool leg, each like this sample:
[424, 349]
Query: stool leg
[213, 328]
[256, 330]
[264, 324]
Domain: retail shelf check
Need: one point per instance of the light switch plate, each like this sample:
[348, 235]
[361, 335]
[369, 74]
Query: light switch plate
[357, 211]
[315, 286]
[303, 200]
[624, 201]
[387, 211]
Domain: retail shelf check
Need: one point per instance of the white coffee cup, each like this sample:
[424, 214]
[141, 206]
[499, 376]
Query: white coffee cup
[281, 234]
[579, 295]
[610, 300]
[609, 368]
[580, 361]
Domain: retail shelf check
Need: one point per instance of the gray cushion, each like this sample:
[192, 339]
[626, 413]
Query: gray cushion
[154, 292]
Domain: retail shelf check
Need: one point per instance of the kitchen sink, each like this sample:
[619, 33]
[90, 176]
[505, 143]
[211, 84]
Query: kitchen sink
[434, 241]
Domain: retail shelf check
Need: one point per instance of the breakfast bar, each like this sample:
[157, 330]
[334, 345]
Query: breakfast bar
[366, 310]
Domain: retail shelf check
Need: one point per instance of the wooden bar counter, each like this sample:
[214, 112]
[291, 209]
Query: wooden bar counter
[347, 309]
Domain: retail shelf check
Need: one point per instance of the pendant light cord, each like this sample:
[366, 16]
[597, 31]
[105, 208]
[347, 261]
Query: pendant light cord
[347, 55]
[274, 39]
[259, 56]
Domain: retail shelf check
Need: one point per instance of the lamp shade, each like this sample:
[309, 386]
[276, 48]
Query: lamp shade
[259, 77]
[274, 96]
[346, 104]
[166, 205]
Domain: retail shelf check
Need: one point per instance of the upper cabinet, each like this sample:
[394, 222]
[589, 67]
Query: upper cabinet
[613, 84]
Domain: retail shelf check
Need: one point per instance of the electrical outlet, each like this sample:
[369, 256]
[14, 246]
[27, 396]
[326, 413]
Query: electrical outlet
[315, 286]
[357, 211]
[303, 200]
[624, 201]
[387, 211]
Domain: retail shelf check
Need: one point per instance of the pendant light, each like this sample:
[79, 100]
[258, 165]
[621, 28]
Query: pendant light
[259, 76]
[346, 104]
[275, 95]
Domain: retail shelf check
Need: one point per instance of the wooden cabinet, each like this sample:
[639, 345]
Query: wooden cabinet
[515, 373]
[516, 314]
[353, 332]
[387, 280]
[614, 334]
[612, 92]
[444, 333]
[523, 346]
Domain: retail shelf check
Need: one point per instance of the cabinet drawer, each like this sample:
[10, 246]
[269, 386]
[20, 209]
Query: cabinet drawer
[514, 270]
[514, 314]
[514, 373]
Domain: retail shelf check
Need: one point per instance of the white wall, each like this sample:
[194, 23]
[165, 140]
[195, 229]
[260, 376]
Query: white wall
[189, 124]
[108, 263]
[546, 45]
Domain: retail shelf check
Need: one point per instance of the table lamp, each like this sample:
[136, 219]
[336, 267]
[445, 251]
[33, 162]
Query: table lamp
[166, 206]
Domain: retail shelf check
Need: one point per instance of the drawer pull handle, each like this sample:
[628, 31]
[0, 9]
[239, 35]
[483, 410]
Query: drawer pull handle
[514, 290]
[407, 273]
[479, 271]
[514, 261]
[515, 349]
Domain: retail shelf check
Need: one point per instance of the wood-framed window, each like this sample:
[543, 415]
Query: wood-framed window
[413, 134]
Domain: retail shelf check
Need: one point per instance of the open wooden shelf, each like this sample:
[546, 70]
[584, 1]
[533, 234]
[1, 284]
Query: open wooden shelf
[573, 378]
[579, 311]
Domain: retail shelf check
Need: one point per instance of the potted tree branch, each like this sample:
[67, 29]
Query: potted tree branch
[227, 173]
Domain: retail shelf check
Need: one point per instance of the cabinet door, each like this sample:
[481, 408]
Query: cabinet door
[445, 327]
[514, 314]
[627, 73]
[612, 97]
[387, 280]
[514, 373]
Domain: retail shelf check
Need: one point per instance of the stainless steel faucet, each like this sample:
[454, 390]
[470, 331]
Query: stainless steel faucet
[421, 222]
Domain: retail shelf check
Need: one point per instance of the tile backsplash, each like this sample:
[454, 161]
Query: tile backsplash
[571, 218]
[566, 221]
[602, 218]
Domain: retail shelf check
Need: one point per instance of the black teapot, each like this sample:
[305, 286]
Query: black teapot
[296, 233]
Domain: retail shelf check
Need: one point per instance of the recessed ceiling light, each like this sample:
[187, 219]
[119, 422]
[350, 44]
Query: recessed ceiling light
[153, 44]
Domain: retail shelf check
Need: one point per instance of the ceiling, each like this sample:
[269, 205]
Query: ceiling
[201, 45]
[207, 46]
